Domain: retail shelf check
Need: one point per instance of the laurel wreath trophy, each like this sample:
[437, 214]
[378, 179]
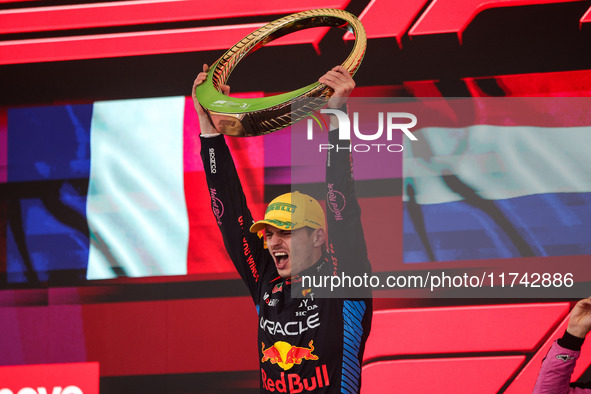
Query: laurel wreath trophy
[259, 116]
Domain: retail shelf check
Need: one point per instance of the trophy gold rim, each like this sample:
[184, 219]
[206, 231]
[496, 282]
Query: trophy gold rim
[259, 116]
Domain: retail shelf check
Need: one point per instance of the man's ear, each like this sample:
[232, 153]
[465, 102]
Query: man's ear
[319, 237]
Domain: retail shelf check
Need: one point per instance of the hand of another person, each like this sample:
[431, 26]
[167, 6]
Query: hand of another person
[204, 123]
[579, 323]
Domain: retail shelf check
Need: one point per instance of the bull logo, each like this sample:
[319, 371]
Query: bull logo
[286, 356]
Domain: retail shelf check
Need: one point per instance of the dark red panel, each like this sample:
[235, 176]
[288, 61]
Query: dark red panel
[482, 375]
[461, 329]
[212, 335]
[127, 338]
[205, 335]
[382, 226]
[576, 83]
[140, 43]
[453, 16]
[142, 12]
[586, 18]
[385, 18]
[423, 88]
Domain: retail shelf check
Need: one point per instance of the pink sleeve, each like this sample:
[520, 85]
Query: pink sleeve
[556, 370]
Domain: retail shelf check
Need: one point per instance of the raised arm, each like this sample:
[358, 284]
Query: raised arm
[557, 367]
[342, 208]
[205, 125]
[228, 201]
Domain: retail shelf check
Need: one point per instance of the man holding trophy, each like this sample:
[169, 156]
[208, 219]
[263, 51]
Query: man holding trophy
[307, 344]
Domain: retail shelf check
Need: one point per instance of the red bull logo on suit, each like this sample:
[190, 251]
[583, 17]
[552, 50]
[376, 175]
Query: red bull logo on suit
[295, 383]
[285, 355]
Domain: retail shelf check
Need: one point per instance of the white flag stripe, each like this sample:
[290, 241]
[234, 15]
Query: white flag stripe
[498, 162]
[136, 205]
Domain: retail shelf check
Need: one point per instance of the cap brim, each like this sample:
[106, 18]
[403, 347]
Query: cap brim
[261, 224]
[258, 226]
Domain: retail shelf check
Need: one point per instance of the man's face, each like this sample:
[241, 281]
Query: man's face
[283, 243]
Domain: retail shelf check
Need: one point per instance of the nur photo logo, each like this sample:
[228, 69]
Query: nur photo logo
[387, 125]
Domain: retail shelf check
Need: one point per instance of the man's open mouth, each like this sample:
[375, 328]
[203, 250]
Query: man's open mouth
[280, 257]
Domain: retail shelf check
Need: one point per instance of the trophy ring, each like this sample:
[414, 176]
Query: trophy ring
[259, 116]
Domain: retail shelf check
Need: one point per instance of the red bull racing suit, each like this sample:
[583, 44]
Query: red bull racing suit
[306, 343]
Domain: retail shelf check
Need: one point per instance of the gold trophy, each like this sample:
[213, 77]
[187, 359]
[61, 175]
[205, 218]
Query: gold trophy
[259, 116]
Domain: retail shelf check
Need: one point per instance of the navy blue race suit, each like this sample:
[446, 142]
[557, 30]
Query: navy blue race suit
[306, 343]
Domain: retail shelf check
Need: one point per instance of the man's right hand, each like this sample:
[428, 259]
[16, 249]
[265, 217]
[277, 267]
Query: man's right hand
[339, 79]
[204, 124]
[579, 323]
